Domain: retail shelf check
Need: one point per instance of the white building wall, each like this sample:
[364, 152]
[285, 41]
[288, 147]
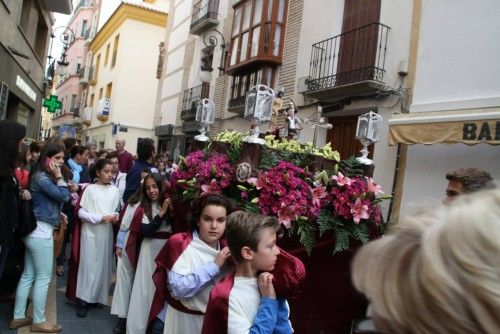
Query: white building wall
[457, 68]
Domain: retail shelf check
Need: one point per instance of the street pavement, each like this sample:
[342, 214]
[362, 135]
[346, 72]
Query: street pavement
[60, 310]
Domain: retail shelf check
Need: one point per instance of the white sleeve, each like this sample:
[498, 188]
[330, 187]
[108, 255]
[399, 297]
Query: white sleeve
[89, 217]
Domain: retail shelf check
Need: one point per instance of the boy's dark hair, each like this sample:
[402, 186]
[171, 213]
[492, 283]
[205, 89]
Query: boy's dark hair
[145, 148]
[202, 202]
[472, 179]
[244, 229]
[77, 149]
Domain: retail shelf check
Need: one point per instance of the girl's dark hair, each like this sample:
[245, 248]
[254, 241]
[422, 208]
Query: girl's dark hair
[202, 202]
[112, 155]
[97, 167]
[146, 203]
[35, 147]
[10, 134]
[49, 150]
[22, 162]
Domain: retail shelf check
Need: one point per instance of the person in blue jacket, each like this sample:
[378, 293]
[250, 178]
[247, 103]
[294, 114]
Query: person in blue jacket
[145, 159]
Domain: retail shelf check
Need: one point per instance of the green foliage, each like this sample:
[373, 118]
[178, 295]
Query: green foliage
[251, 207]
[351, 167]
[306, 231]
[341, 241]
[269, 159]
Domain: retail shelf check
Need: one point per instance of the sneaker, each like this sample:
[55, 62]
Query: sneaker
[121, 326]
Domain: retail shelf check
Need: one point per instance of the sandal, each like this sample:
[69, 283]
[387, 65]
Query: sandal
[46, 327]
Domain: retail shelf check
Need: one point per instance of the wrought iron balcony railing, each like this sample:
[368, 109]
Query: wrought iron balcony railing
[354, 56]
[204, 15]
[190, 100]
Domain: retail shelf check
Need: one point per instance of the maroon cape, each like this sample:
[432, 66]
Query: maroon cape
[74, 259]
[289, 277]
[165, 260]
[134, 237]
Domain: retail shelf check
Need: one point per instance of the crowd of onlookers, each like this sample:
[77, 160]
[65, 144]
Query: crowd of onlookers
[433, 272]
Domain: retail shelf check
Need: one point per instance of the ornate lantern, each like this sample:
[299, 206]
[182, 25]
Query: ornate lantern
[368, 132]
[204, 115]
[258, 109]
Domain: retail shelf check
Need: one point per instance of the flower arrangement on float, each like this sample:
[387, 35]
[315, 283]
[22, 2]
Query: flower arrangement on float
[337, 202]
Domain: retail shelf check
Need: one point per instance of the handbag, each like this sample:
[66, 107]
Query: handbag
[26, 219]
[58, 236]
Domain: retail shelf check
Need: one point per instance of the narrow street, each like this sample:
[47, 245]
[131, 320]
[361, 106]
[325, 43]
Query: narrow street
[60, 310]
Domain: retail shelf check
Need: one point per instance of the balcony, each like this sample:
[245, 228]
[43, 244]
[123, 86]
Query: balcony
[85, 74]
[190, 100]
[350, 64]
[75, 111]
[84, 116]
[190, 126]
[204, 16]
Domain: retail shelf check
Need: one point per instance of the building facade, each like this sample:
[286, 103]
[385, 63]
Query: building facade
[121, 94]
[71, 89]
[24, 42]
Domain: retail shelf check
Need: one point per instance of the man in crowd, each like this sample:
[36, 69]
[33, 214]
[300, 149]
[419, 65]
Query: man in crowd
[92, 148]
[467, 180]
[145, 159]
[125, 159]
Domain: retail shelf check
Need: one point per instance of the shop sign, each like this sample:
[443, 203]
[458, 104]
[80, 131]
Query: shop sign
[23, 85]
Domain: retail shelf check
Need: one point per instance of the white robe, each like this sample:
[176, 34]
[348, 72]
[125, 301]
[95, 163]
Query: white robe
[244, 300]
[96, 244]
[143, 288]
[124, 270]
[196, 254]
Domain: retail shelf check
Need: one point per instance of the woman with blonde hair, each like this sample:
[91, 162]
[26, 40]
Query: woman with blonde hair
[437, 272]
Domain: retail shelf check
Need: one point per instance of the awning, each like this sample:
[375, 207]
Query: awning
[471, 126]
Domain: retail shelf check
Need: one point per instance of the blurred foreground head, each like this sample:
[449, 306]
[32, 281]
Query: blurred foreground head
[438, 272]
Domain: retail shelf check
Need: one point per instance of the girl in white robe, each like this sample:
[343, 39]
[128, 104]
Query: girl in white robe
[98, 210]
[155, 230]
[200, 264]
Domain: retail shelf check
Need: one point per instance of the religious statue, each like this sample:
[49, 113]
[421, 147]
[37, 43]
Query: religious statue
[277, 106]
[293, 122]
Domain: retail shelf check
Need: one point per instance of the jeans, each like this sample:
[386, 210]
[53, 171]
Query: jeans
[157, 326]
[38, 262]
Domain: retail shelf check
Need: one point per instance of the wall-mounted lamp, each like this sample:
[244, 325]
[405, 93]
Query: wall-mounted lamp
[212, 38]
[67, 37]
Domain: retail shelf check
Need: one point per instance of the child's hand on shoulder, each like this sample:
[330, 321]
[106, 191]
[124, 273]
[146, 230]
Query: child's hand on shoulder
[223, 255]
[266, 286]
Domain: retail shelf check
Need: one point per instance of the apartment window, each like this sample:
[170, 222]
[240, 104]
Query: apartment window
[257, 32]
[115, 50]
[97, 63]
[78, 68]
[242, 83]
[73, 101]
[84, 28]
[100, 93]
[107, 55]
[109, 88]
[91, 102]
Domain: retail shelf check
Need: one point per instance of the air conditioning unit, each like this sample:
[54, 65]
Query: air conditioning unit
[302, 84]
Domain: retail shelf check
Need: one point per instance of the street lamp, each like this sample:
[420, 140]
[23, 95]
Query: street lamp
[67, 37]
[211, 40]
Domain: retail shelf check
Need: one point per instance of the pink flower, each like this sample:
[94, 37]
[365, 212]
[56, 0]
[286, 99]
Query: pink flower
[318, 194]
[210, 188]
[259, 182]
[286, 214]
[341, 179]
[359, 211]
[372, 187]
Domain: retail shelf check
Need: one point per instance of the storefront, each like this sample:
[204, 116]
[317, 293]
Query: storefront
[20, 97]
